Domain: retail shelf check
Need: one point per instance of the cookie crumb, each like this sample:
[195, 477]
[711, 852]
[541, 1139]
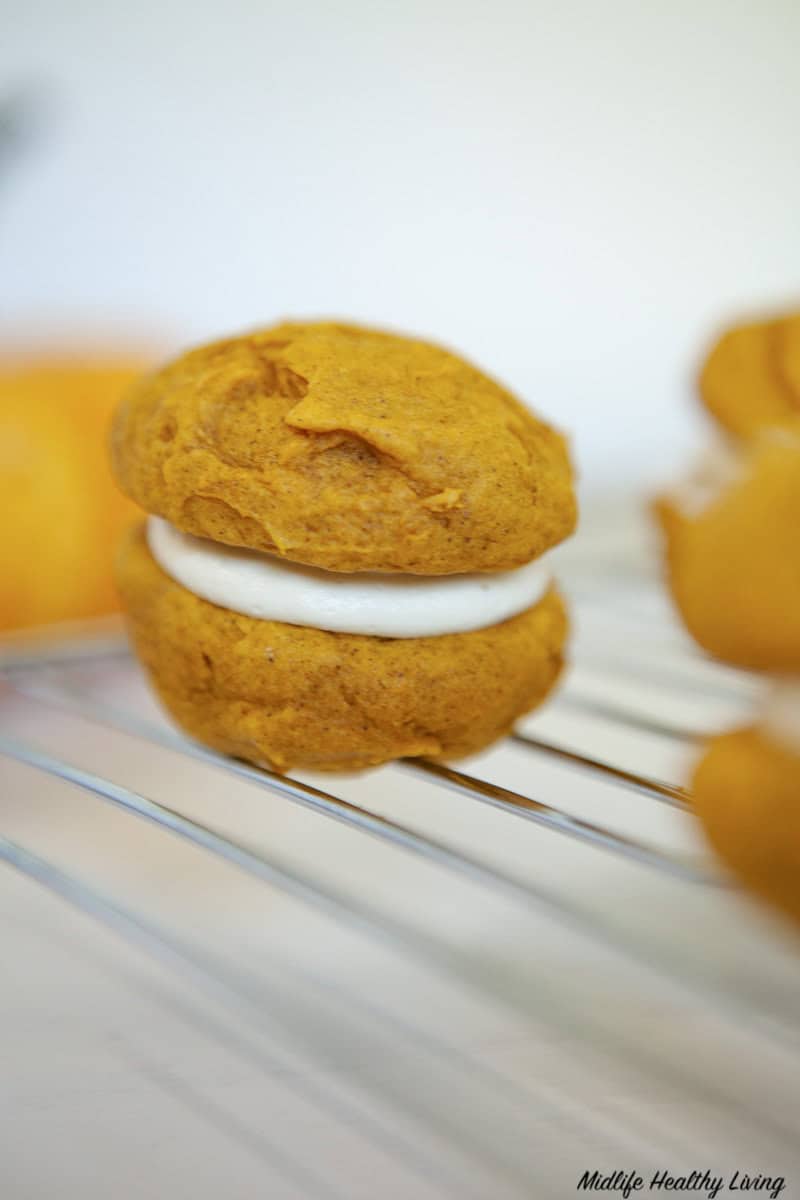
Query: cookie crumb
[443, 501]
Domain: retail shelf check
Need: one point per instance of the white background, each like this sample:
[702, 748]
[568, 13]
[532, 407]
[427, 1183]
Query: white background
[573, 193]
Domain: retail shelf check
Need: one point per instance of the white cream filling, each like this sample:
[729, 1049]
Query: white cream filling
[716, 470]
[780, 713]
[396, 606]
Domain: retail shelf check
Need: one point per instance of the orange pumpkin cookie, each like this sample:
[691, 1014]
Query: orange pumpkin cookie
[732, 559]
[751, 378]
[347, 449]
[746, 790]
[287, 696]
[64, 514]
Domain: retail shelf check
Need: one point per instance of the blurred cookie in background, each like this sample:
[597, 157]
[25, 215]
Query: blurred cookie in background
[62, 513]
[733, 569]
[732, 562]
[751, 378]
[729, 526]
[745, 791]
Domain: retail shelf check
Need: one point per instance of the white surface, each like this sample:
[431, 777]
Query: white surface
[574, 194]
[459, 1042]
[397, 606]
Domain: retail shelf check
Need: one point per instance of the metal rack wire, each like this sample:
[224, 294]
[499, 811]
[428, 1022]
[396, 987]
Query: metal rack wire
[510, 901]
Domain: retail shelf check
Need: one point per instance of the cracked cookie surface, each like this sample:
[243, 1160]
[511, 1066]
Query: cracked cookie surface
[348, 449]
[287, 695]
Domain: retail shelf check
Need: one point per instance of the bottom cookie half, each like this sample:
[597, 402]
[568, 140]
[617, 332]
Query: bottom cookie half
[286, 696]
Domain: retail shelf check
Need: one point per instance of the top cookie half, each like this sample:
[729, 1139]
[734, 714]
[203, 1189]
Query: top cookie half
[347, 449]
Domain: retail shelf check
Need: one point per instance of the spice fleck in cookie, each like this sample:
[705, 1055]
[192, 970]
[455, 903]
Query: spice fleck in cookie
[343, 565]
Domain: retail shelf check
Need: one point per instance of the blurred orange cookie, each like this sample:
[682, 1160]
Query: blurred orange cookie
[63, 514]
[732, 555]
[751, 378]
[746, 790]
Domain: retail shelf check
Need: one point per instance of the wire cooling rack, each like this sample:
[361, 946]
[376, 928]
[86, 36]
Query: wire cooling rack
[423, 981]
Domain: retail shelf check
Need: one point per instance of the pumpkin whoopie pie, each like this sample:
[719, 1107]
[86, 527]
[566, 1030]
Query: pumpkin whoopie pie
[733, 569]
[342, 565]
